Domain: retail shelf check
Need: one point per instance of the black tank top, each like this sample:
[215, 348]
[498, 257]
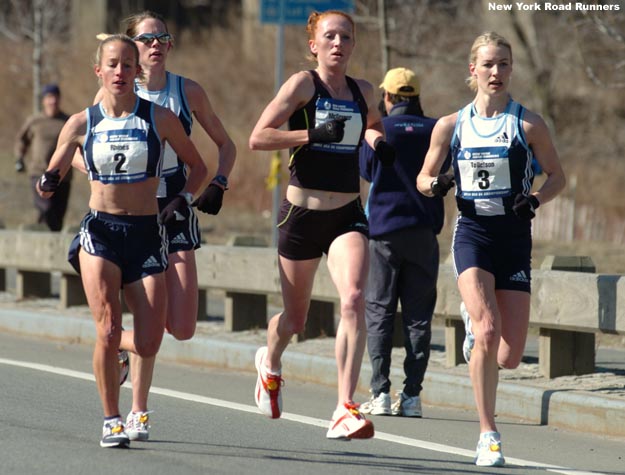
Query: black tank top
[334, 166]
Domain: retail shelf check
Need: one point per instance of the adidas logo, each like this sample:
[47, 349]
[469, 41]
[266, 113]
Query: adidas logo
[503, 138]
[179, 239]
[150, 262]
[519, 277]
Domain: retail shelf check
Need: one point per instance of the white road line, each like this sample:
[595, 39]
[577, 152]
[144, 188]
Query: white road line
[312, 421]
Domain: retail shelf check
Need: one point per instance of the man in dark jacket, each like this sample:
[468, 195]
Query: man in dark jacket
[403, 245]
[36, 142]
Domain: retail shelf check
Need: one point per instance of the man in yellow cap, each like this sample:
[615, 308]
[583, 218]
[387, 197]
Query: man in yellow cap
[403, 247]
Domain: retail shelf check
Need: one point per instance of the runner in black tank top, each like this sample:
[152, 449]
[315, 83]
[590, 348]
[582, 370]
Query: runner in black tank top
[328, 115]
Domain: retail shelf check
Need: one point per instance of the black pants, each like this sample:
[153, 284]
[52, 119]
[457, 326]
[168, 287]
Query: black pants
[52, 211]
[404, 268]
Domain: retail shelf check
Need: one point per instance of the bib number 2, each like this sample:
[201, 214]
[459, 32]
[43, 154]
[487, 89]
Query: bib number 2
[120, 161]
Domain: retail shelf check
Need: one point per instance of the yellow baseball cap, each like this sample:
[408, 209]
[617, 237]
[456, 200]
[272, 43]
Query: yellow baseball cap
[401, 81]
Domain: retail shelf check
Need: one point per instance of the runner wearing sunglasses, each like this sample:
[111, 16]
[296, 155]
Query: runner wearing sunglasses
[148, 38]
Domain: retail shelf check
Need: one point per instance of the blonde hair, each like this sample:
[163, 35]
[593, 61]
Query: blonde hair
[116, 37]
[488, 38]
[313, 21]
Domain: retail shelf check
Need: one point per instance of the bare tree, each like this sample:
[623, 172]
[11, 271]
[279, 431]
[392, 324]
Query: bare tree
[37, 21]
[597, 34]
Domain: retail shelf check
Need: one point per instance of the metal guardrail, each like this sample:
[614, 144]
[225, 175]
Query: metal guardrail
[568, 307]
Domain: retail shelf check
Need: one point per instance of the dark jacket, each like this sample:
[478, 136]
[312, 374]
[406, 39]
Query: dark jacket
[394, 202]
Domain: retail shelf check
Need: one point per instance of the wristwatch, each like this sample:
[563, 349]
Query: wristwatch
[188, 197]
[221, 180]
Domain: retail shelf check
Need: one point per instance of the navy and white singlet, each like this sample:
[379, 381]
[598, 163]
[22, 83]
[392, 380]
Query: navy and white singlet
[492, 161]
[172, 97]
[122, 149]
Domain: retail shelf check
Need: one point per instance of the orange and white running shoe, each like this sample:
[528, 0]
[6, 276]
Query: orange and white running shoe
[349, 423]
[267, 394]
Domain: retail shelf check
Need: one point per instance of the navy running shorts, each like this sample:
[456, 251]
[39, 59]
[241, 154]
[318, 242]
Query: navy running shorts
[136, 244]
[500, 245]
[183, 235]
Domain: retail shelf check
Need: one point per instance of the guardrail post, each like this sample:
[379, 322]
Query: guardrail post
[3, 280]
[245, 311]
[32, 284]
[202, 306]
[454, 338]
[563, 352]
[398, 330]
[320, 321]
[71, 292]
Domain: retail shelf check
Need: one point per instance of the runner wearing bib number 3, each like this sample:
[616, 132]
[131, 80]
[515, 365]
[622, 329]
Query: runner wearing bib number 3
[492, 142]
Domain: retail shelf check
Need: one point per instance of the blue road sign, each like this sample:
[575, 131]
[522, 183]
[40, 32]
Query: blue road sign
[297, 11]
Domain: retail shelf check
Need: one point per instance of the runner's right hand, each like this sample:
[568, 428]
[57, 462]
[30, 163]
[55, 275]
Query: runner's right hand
[328, 132]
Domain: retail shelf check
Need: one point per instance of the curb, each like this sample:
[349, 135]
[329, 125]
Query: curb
[580, 411]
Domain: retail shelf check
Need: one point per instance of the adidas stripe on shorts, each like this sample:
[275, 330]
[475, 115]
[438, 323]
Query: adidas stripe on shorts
[183, 235]
[501, 245]
[136, 244]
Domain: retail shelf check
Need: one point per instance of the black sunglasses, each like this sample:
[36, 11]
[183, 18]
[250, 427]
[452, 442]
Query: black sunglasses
[148, 38]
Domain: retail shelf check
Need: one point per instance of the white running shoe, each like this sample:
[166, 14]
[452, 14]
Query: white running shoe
[113, 434]
[137, 425]
[267, 393]
[488, 452]
[469, 339]
[377, 406]
[348, 423]
[407, 406]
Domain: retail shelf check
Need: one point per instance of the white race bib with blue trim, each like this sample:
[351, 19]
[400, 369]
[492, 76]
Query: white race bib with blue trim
[327, 109]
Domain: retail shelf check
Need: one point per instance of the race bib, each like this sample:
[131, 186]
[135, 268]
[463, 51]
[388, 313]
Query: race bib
[327, 109]
[484, 172]
[120, 155]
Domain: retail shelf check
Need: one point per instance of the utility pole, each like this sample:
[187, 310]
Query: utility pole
[383, 36]
[37, 47]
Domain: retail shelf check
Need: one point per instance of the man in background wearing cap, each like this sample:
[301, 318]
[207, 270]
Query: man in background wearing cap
[403, 247]
[36, 141]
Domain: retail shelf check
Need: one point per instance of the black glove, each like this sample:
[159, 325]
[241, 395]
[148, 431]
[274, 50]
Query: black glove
[385, 153]
[176, 210]
[331, 131]
[210, 200]
[442, 184]
[49, 181]
[525, 206]
[19, 165]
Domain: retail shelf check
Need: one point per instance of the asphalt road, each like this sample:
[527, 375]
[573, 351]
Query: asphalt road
[205, 421]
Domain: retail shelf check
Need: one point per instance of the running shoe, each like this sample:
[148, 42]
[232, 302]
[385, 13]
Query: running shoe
[124, 365]
[113, 434]
[267, 394]
[406, 406]
[488, 452]
[469, 339]
[377, 406]
[137, 425]
[348, 423]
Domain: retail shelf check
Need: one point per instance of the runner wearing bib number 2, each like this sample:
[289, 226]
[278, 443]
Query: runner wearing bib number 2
[122, 241]
[492, 142]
